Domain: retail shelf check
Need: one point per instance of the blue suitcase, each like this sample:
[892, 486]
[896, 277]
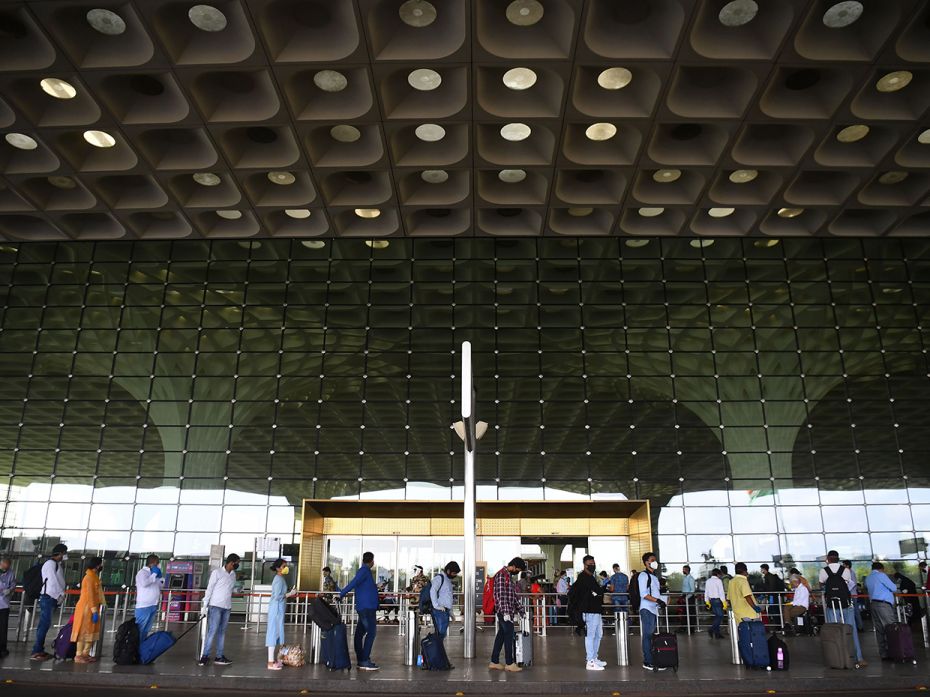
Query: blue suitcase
[335, 649]
[753, 644]
[434, 653]
[154, 645]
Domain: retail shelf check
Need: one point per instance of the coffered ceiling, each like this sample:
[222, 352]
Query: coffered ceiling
[159, 119]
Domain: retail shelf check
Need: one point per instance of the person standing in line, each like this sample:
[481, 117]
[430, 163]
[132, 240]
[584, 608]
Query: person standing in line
[881, 590]
[507, 606]
[716, 601]
[835, 580]
[366, 606]
[274, 635]
[620, 588]
[149, 584]
[85, 631]
[53, 592]
[739, 594]
[217, 603]
[586, 598]
[688, 588]
[7, 586]
[911, 603]
[853, 592]
[329, 583]
[561, 589]
[441, 597]
[650, 600]
[725, 578]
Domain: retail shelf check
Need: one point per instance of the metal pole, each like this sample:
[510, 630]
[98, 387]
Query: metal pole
[622, 623]
[115, 612]
[411, 645]
[923, 621]
[688, 612]
[734, 640]
[468, 573]
[316, 643]
[22, 616]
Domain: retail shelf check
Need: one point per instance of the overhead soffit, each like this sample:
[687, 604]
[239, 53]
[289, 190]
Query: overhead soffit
[379, 118]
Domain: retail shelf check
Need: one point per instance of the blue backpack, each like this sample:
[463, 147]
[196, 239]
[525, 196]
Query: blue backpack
[426, 602]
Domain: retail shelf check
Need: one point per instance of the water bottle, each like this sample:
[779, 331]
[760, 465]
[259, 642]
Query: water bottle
[780, 658]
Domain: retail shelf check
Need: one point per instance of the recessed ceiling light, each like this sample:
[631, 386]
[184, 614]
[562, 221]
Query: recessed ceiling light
[62, 182]
[894, 81]
[524, 13]
[345, 133]
[368, 212]
[851, 134]
[700, 244]
[297, 213]
[892, 291]
[434, 176]
[765, 244]
[424, 79]
[21, 141]
[664, 176]
[99, 139]
[106, 22]
[651, 212]
[580, 212]
[737, 13]
[313, 244]
[281, 178]
[207, 18]
[207, 179]
[330, 80]
[743, 176]
[519, 78]
[636, 244]
[511, 176]
[58, 88]
[515, 131]
[229, 215]
[417, 13]
[842, 14]
[430, 132]
[247, 244]
[893, 177]
[614, 78]
[789, 212]
[924, 137]
[720, 212]
[600, 131]
[377, 244]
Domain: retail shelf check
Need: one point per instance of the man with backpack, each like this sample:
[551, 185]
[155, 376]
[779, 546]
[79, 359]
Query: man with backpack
[441, 598]
[49, 585]
[835, 580]
[149, 583]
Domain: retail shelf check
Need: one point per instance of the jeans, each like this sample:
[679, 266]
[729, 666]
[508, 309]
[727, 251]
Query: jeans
[648, 624]
[217, 619]
[847, 617]
[441, 622]
[883, 614]
[4, 627]
[619, 603]
[144, 618]
[365, 633]
[47, 606]
[716, 607]
[504, 639]
[594, 627]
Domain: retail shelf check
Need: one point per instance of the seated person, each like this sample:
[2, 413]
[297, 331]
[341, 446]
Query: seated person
[800, 602]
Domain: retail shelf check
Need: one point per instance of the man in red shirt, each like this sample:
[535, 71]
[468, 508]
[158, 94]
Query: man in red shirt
[507, 607]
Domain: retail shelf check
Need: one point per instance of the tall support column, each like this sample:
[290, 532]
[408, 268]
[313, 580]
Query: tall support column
[468, 573]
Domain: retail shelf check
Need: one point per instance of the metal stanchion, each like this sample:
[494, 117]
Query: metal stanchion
[306, 600]
[688, 613]
[115, 612]
[734, 639]
[924, 622]
[622, 623]
[412, 643]
[404, 613]
[316, 643]
[22, 618]
[781, 610]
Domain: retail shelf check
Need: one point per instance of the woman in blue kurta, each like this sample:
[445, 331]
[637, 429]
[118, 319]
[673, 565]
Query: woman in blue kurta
[274, 637]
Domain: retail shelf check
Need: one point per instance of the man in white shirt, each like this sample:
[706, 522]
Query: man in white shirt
[217, 603]
[149, 583]
[715, 599]
[835, 580]
[53, 592]
[854, 591]
[800, 602]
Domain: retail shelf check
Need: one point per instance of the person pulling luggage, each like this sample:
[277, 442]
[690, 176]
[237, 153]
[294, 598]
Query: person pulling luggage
[366, 605]
[650, 601]
[441, 597]
[838, 602]
[274, 635]
[507, 607]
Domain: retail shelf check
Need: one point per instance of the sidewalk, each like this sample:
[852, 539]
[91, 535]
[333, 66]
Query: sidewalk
[559, 669]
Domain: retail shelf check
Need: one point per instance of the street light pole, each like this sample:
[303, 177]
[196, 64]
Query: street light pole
[470, 439]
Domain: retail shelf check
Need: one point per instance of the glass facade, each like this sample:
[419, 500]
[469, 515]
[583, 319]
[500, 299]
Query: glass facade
[769, 397]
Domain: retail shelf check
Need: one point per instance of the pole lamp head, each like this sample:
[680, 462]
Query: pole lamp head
[480, 429]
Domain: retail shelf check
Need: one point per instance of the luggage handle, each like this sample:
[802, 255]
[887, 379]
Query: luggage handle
[192, 627]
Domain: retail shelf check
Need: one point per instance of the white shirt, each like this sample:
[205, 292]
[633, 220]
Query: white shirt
[848, 577]
[53, 580]
[220, 589]
[561, 586]
[802, 597]
[713, 590]
[148, 588]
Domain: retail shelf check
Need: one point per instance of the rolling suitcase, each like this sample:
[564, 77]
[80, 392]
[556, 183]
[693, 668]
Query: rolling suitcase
[523, 639]
[323, 614]
[753, 644]
[665, 651]
[156, 643]
[837, 642]
[778, 653]
[335, 649]
[900, 640]
[434, 653]
[65, 649]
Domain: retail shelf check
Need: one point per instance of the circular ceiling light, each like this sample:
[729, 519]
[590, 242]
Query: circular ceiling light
[424, 79]
[106, 22]
[330, 80]
[893, 177]
[417, 13]
[580, 212]
[62, 182]
[700, 244]
[281, 178]
[345, 133]
[207, 18]
[368, 213]
[434, 176]
[636, 244]
[229, 215]
[430, 132]
[59, 89]
[511, 176]
[651, 212]
[600, 131]
[851, 134]
[894, 81]
[743, 176]
[737, 13]
[207, 179]
[519, 78]
[789, 212]
[720, 212]
[297, 213]
[313, 244]
[924, 137]
[524, 13]
[21, 141]
[614, 78]
[377, 244]
[842, 14]
[665, 176]
[515, 131]
[99, 139]
[765, 244]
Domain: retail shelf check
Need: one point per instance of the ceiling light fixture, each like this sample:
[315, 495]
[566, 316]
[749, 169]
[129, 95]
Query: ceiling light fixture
[297, 213]
[924, 137]
[524, 13]
[765, 244]
[62, 182]
[99, 139]
[424, 79]
[59, 89]
[651, 212]
[281, 178]
[894, 81]
[737, 13]
[600, 131]
[743, 176]
[207, 18]
[207, 179]
[614, 78]
[700, 244]
[851, 134]
[330, 80]
[345, 133]
[377, 244]
[580, 212]
[430, 132]
[368, 213]
[106, 22]
[842, 14]
[636, 244]
[313, 244]
[720, 212]
[417, 13]
[511, 176]
[893, 177]
[519, 78]
[229, 215]
[21, 141]
[789, 212]
[665, 176]
[434, 176]
[515, 131]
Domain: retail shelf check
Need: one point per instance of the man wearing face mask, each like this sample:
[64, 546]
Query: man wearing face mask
[217, 603]
[149, 584]
[507, 607]
[586, 598]
[651, 600]
[53, 591]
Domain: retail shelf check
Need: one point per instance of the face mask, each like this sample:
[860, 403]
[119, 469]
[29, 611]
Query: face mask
[653, 565]
[64, 557]
[235, 566]
[285, 571]
[589, 567]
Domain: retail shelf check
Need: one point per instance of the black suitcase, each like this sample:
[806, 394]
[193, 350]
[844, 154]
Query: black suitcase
[324, 615]
[665, 651]
[434, 653]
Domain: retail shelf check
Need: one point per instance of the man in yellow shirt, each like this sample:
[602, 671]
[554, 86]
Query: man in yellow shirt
[740, 595]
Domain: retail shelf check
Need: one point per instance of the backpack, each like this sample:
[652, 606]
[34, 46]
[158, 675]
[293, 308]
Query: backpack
[634, 591]
[32, 583]
[426, 602]
[126, 644]
[835, 588]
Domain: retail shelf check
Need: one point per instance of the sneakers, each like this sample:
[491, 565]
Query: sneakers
[40, 656]
[222, 661]
[513, 668]
[653, 668]
[600, 662]
[369, 665]
[593, 665]
[495, 666]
